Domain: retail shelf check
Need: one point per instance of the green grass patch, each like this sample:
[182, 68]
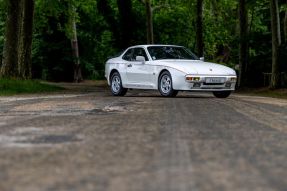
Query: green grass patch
[13, 87]
[266, 92]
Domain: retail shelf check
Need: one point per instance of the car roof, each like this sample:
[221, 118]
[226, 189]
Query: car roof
[150, 45]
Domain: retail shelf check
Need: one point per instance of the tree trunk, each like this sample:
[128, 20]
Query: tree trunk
[243, 47]
[25, 40]
[276, 42]
[149, 20]
[285, 27]
[199, 28]
[9, 68]
[75, 48]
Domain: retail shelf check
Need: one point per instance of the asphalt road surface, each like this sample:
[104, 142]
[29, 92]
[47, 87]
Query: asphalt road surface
[86, 140]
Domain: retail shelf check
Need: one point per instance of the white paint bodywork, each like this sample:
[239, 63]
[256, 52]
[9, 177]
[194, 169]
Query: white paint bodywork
[145, 75]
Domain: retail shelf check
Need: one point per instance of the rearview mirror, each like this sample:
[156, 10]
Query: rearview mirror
[140, 59]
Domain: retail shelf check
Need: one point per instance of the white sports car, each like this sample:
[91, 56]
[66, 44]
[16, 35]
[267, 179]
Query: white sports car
[169, 69]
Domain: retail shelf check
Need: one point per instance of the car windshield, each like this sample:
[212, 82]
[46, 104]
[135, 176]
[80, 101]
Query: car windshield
[170, 52]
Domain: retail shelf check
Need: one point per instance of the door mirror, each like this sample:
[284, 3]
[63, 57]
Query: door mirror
[140, 59]
[236, 67]
[201, 59]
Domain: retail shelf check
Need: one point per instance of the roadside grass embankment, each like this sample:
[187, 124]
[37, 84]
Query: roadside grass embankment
[265, 92]
[13, 87]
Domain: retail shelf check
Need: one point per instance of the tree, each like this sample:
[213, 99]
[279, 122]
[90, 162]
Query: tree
[9, 67]
[17, 49]
[25, 40]
[75, 48]
[276, 42]
[243, 46]
[149, 22]
[285, 26]
[199, 28]
[149, 11]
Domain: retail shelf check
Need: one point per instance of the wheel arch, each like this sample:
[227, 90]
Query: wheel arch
[159, 74]
[111, 73]
[177, 76]
[170, 93]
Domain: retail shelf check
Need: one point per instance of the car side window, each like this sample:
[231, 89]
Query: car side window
[140, 52]
[132, 53]
[128, 55]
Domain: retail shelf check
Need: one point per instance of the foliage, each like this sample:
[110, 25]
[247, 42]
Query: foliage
[102, 32]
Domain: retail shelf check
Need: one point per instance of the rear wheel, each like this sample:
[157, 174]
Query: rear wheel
[222, 94]
[165, 85]
[116, 85]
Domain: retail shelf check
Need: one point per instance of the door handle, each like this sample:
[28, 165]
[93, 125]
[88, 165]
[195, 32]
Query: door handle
[130, 65]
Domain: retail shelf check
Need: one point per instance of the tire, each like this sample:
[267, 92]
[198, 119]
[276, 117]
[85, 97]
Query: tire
[165, 85]
[222, 94]
[116, 85]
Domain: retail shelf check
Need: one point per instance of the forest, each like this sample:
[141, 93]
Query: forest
[70, 40]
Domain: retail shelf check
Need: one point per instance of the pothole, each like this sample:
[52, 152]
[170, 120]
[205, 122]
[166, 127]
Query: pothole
[114, 108]
[107, 110]
[52, 139]
[68, 110]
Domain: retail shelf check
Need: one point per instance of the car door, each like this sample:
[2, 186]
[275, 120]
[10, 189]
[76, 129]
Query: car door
[137, 72]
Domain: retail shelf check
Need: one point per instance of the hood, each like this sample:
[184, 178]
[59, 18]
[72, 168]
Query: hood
[198, 67]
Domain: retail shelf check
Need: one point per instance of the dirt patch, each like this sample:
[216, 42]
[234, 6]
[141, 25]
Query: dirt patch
[264, 100]
[26, 137]
[56, 106]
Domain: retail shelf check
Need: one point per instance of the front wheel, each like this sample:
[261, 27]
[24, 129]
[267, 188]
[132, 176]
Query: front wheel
[222, 94]
[165, 85]
[116, 85]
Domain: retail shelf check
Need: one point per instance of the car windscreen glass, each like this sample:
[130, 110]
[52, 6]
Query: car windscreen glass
[170, 52]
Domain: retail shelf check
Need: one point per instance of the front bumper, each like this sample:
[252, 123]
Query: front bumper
[228, 84]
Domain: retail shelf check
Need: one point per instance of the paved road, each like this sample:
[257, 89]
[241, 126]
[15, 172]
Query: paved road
[87, 140]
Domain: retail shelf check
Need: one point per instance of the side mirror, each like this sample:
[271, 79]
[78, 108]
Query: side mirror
[140, 59]
[201, 59]
[236, 67]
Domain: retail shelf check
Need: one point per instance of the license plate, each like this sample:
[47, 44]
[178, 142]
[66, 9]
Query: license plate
[214, 80]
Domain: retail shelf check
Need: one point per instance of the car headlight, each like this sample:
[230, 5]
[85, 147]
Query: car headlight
[233, 79]
[189, 78]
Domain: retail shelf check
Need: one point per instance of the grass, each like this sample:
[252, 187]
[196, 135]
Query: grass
[265, 92]
[13, 87]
